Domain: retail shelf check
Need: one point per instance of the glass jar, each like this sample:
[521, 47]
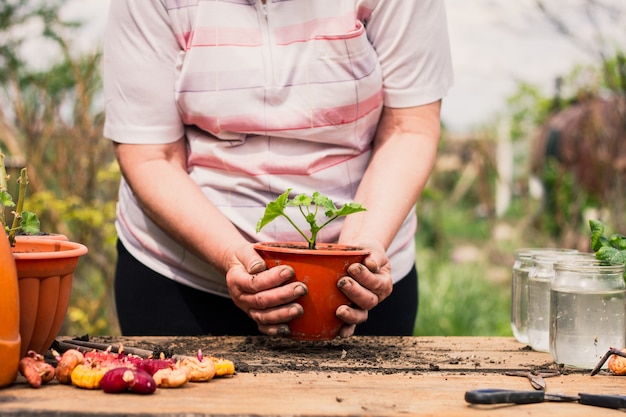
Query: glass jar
[519, 288]
[587, 311]
[539, 281]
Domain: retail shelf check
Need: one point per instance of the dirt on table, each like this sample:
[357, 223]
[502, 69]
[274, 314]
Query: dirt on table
[357, 354]
[264, 354]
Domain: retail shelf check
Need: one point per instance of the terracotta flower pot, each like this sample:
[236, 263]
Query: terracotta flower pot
[9, 316]
[52, 236]
[45, 269]
[319, 269]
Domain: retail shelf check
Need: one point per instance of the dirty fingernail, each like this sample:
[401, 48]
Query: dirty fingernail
[346, 331]
[286, 273]
[296, 310]
[342, 310]
[344, 284]
[371, 265]
[300, 290]
[355, 269]
[257, 267]
[283, 331]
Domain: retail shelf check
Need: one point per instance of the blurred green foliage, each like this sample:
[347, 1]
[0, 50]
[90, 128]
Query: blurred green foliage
[458, 299]
[51, 121]
[470, 294]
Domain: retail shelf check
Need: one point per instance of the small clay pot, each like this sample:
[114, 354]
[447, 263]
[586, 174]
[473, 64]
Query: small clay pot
[52, 236]
[45, 269]
[9, 315]
[320, 269]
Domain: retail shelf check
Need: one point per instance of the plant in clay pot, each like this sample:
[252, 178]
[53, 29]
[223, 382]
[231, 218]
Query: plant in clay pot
[25, 224]
[45, 269]
[318, 265]
[23, 220]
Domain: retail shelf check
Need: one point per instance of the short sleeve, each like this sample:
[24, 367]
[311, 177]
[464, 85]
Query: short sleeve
[412, 43]
[140, 55]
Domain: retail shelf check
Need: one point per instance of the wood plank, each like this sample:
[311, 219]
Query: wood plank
[309, 394]
[403, 376]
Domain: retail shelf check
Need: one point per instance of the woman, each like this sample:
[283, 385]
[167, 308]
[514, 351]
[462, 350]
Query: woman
[217, 106]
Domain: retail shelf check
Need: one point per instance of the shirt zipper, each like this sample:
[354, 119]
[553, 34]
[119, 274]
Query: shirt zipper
[267, 53]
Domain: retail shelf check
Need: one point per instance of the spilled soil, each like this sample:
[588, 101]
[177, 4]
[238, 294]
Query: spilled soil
[370, 354]
[263, 354]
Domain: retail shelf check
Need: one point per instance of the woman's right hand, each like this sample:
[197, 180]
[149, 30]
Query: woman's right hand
[152, 172]
[264, 294]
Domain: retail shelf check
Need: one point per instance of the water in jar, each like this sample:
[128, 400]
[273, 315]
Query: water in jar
[519, 297]
[539, 281]
[539, 314]
[586, 325]
[587, 311]
[522, 267]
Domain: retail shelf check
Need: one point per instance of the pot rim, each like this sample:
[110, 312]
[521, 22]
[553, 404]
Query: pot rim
[49, 249]
[302, 248]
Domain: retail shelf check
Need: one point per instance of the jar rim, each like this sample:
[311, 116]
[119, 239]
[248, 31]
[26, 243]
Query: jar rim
[530, 252]
[565, 257]
[591, 265]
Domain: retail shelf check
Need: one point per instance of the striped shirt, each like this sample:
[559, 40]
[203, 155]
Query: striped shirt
[269, 97]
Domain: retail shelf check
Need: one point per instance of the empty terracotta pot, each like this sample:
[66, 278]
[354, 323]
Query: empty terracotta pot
[45, 269]
[320, 269]
[9, 316]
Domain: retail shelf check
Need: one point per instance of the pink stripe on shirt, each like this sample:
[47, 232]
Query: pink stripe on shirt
[336, 27]
[257, 165]
[214, 36]
[285, 119]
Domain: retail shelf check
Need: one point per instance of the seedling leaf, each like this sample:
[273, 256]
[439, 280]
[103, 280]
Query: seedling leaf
[29, 223]
[611, 250]
[6, 200]
[349, 208]
[301, 200]
[606, 253]
[618, 241]
[273, 209]
[310, 207]
[619, 258]
[597, 234]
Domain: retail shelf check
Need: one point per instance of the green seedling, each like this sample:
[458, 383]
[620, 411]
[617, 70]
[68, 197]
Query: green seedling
[311, 207]
[23, 220]
[611, 249]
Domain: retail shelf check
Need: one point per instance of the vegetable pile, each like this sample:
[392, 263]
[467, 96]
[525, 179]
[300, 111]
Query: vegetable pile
[121, 372]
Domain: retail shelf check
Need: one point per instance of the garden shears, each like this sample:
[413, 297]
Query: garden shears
[503, 396]
[536, 378]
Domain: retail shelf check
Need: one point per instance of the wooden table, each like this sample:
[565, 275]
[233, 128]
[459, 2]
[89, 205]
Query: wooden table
[403, 376]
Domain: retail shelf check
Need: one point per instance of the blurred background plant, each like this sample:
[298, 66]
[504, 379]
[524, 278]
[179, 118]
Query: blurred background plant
[51, 121]
[531, 177]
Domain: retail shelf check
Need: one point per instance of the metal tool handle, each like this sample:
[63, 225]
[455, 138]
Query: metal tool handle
[607, 401]
[502, 396]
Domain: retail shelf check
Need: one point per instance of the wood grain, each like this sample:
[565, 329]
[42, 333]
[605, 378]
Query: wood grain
[421, 376]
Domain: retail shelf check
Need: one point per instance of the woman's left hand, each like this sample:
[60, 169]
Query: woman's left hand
[366, 285]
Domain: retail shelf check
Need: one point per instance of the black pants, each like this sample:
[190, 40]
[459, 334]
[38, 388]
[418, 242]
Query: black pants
[149, 304]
